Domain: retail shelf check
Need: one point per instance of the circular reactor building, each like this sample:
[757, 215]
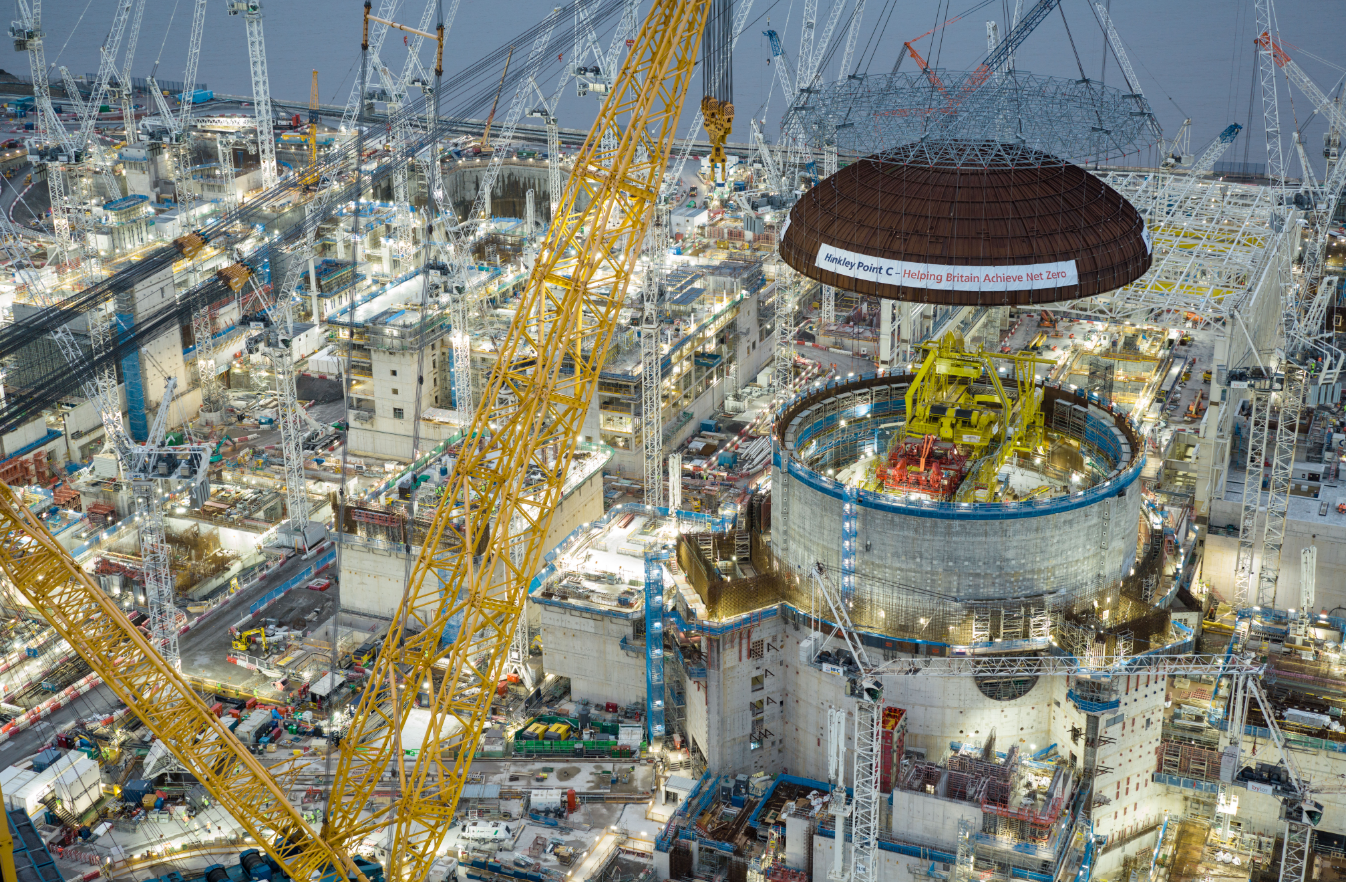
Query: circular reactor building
[962, 504]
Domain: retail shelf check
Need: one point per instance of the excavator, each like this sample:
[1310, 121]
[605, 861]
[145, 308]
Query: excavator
[485, 541]
[243, 642]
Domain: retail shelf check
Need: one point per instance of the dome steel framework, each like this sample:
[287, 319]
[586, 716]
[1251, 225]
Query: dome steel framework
[1075, 120]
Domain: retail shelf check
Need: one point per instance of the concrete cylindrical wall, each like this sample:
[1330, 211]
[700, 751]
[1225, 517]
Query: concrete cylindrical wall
[1050, 552]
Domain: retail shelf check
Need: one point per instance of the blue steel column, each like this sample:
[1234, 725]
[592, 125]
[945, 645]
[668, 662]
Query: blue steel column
[654, 641]
[849, 498]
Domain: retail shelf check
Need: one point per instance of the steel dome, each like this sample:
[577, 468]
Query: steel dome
[967, 222]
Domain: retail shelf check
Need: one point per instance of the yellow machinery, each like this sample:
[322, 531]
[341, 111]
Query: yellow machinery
[234, 276]
[943, 400]
[243, 642]
[958, 397]
[718, 116]
[469, 584]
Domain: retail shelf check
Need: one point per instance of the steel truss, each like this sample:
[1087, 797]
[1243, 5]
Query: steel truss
[651, 355]
[1062, 665]
[100, 387]
[788, 286]
[203, 331]
[261, 87]
[484, 545]
[1278, 484]
[45, 575]
[829, 310]
[1209, 250]
[1245, 595]
[1070, 119]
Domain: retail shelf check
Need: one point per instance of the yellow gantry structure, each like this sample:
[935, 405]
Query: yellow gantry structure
[944, 399]
[470, 582]
[949, 399]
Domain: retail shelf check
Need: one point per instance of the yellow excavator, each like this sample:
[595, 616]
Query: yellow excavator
[243, 642]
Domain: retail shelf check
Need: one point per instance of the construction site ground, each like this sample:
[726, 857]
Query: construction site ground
[205, 648]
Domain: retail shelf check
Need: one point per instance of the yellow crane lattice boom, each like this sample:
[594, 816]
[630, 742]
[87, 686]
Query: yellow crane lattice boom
[470, 581]
[42, 572]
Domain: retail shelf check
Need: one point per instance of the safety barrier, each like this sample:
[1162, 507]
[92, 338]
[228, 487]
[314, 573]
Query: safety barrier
[42, 711]
[309, 572]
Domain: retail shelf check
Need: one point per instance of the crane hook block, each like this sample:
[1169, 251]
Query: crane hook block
[235, 276]
[719, 122]
[191, 244]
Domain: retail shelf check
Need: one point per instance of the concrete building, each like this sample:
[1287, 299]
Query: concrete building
[377, 544]
[715, 339]
[124, 226]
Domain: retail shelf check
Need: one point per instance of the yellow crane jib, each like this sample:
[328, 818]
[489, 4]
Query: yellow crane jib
[470, 580]
[465, 597]
[44, 575]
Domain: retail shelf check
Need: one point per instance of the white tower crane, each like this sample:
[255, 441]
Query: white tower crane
[59, 150]
[1333, 184]
[405, 131]
[651, 356]
[124, 91]
[829, 304]
[251, 10]
[299, 530]
[867, 689]
[56, 149]
[546, 111]
[852, 37]
[1303, 308]
[457, 254]
[147, 468]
